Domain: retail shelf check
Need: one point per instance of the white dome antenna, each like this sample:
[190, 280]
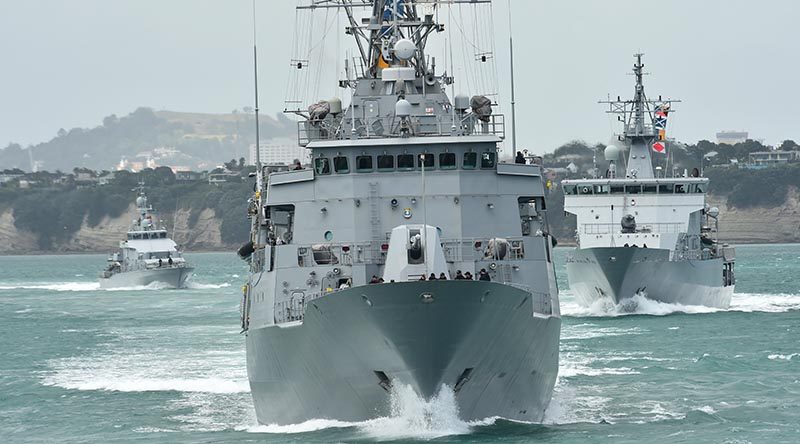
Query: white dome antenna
[405, 49]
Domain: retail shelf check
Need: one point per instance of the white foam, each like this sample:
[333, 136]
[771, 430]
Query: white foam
[413, 417]
[779, 357]
[199, 286]
[56, 286]
[640, 305]
[707, 409]
[305, 427]
[767, 303]
[201, 385]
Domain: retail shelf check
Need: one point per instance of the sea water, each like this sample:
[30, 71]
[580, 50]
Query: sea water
[79, 364]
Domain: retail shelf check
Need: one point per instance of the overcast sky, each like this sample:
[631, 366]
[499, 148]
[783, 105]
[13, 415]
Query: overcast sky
[733, 62]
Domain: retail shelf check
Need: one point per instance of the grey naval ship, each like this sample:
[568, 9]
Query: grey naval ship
[404, 184]
[147, 255]
[643, 231]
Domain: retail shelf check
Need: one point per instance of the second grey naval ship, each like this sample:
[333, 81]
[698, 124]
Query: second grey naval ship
[147, 255]
[642, 231]
[357, 265]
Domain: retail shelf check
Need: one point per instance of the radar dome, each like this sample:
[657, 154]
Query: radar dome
[713, 212]
[461, 102]
[611, 153]
[402, 108]
[405, 49]
[336, 105]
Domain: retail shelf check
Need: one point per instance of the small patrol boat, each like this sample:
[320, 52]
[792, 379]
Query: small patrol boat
[147, 255]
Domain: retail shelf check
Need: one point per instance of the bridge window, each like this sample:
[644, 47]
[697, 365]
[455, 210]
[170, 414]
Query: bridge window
[429, 161]
[364, 164]
[322, 166]
[666, 188]
[488, 160]
[680, 188]
[617, 189]
[470, 161]
[570, 190]
[633, 189]
[649, 189]
[405, 162]
[701, 188]
[447, 161]
[601, 189]
[585, 189]
[385, 162]
[341, 165]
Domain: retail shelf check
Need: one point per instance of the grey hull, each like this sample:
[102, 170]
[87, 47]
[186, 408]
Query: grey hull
[616, 274]
[171, 277]
[328, 366]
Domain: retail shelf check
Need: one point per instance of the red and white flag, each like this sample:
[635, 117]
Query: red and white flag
[659, 147]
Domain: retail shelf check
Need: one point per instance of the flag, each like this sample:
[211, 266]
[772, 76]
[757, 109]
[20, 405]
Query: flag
[659, 147]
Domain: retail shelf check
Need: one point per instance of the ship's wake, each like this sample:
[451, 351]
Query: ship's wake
[95, 286]
[639, 304]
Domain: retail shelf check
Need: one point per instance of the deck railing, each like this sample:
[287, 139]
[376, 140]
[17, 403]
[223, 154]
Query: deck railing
[382, 127]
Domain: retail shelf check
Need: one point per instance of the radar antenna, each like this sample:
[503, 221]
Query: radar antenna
[644, 124]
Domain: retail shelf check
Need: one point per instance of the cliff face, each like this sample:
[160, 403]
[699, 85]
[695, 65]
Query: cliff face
[106, 236]
[760, 225]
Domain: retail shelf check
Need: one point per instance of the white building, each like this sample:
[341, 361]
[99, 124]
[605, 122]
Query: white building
[732, 137]
[279, 151]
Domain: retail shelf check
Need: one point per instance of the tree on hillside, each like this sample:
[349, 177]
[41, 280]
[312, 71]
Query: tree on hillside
[789, 145]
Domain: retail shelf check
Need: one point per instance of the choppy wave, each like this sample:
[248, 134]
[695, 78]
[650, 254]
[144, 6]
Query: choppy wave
[199, 286]
[779, 357]
[95, 286]
[640, 305]
[55, 286]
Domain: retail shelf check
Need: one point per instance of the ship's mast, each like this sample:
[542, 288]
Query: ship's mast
[389, 21]
[642, 127]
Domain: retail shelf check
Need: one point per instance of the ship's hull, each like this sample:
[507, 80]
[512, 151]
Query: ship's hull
[332, 365]
[170, 277]
[617, 274]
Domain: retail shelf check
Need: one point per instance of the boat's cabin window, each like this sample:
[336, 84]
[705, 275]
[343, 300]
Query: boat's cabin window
[385, 162]
[322, 166]
[680, 188]
[447, 161]
[701, 188]
[570, 190]
[633, 189]
[585, 189]
[429, 161]
[488, 160]
[666, 188]
[601, 189]
[649, 189]
[470, 161]
[341, 165]
[405, 162]
[617, 189]
[364, 164]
